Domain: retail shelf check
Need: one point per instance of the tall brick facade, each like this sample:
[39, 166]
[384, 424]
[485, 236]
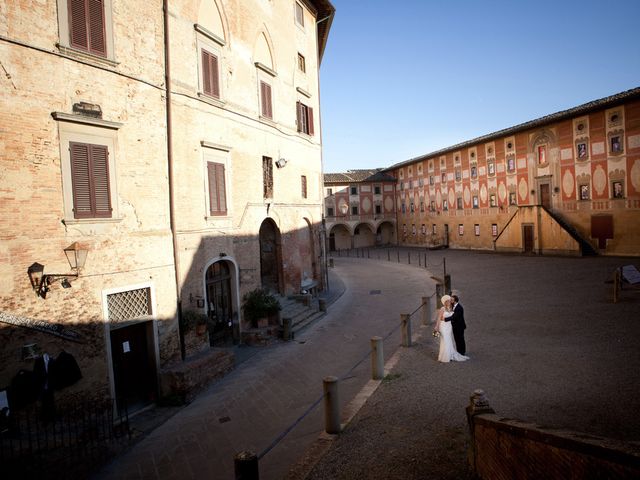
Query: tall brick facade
[178, 171]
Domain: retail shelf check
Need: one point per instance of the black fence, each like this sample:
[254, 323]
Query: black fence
[71, 443]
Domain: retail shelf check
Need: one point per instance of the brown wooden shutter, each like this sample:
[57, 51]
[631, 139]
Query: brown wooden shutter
[210, 79]
[80, 182]
[217, 189]
[87, 25]
[299, 115]
[222, 194]
[265, 97]
[97, 43]
[310, 119]
[78, 24]
[100, 177]
[90, 180]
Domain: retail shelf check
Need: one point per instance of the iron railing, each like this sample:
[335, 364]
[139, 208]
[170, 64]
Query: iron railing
[70, 443]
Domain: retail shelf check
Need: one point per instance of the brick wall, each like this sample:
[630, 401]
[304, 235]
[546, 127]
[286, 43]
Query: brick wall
[507, 449]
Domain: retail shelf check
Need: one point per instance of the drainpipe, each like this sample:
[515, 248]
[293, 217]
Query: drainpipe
[172, 213]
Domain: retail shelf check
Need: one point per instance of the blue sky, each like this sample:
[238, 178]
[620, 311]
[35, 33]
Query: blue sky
[402, 79]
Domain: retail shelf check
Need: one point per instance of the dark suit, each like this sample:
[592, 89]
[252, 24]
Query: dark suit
[458, 326]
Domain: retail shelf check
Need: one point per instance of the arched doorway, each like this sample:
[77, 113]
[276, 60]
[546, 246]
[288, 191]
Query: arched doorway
[219, 303]
[270, 256]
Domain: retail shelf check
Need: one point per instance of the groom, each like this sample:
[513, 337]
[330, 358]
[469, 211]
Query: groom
[458, 325]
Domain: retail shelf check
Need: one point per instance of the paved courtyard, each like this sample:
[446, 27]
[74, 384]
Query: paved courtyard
[547, 345]
[545, 340]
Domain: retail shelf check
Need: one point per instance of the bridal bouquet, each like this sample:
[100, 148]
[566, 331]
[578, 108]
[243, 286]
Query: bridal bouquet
[436, 333]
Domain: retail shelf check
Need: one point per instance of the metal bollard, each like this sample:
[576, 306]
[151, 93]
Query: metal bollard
[322, 304]
[447, 283]
[405, 321]
[331, 262]
[426, 310]
[331, 405]
[377, 358]
[388, 255]
[286, 329]
[246, 466]
[440, 291]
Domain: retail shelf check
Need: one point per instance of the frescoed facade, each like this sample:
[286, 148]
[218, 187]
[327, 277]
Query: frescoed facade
[359, 209]
[567, 183]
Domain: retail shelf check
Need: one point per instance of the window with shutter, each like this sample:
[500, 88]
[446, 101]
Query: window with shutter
[90, 180]
[305, 118]
[210, 74]
[299, 14]
[265, 99]
[303, 184]
[87, 28]
[267, 177]
[217, 189]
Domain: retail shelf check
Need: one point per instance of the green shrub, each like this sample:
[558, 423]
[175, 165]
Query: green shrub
[259, 303]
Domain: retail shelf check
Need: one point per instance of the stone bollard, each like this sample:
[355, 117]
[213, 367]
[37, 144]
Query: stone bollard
[405, 321]
[286, 329]
[246, 466]
[322, 304]
[377, 359]
[331, 405]
[426, 310]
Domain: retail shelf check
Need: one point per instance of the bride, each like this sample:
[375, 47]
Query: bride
[448, 350]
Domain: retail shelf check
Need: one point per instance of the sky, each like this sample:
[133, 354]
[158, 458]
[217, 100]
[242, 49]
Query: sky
[404, 78]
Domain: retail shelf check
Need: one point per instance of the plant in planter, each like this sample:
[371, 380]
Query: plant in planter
[258, 304]
[192, 320]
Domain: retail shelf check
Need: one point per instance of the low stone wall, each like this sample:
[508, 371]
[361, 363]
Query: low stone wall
[183, 381]
[505, 449]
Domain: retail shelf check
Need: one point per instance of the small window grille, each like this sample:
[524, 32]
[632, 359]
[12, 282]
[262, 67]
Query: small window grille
[129, 305]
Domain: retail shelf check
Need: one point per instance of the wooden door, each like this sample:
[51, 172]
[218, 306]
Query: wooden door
[527, 238]
[545, 195]
[133, 365]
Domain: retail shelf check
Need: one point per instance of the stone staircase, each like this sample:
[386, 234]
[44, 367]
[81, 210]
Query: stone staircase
[585, 246]
[301, 310]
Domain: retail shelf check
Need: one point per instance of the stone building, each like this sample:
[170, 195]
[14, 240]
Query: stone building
[359, 209]
[178, 154]
[566, 183]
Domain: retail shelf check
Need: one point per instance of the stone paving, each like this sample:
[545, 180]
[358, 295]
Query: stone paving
[546, 344]
[265, 395]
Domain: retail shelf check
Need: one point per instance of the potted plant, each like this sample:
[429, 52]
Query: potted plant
[192, 320]
[259, 304]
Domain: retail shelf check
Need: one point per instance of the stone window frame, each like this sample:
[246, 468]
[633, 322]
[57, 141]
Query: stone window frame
[585, 142]
[473, 170]
[82, 129]
[64, 35]
[619, 134]
[214, 45]
[584, 192]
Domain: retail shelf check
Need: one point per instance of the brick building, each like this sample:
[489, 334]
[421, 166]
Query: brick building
[566, 183]
[180, 152]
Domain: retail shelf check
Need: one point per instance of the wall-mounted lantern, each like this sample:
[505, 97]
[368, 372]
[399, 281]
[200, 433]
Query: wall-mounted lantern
[76, 256]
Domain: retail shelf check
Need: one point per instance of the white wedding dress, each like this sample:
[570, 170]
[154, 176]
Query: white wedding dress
[448, 350]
